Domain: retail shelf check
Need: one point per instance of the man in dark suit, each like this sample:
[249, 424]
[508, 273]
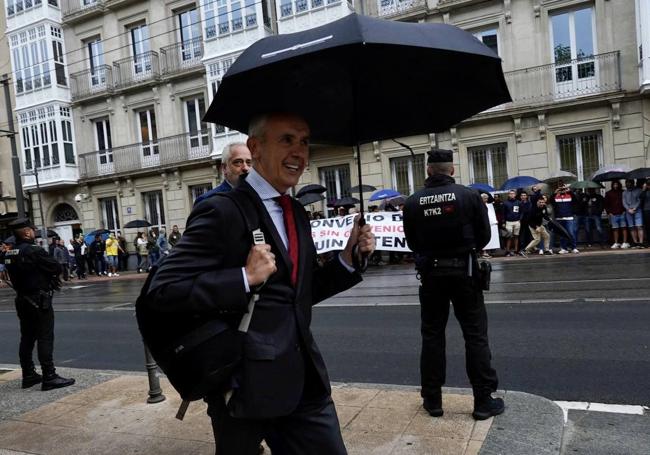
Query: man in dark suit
[281, 392]
[235, 161]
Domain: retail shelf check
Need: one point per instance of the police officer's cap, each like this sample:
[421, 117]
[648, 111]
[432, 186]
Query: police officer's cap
[21, 223]
[440, 156]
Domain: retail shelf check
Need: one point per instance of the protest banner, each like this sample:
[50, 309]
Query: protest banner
[331, 234]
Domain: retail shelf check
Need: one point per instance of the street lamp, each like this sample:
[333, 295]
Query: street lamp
[34, 172]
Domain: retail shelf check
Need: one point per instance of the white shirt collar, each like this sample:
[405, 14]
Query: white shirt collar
[263, 188]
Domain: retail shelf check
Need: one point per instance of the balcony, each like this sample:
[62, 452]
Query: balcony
[145, 156]
[181, 57]
[56, 176]
[79, 10]
[569, 80]
[397, 8]
[132, 71]
[91, 82]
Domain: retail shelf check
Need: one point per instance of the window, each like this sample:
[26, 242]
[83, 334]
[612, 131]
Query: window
[227, 16]
[580, 154]
[190, 34]
[140, 49]
[39, 139]
[96, 60]
[30, 60]
[286, 9]
[573, 50]
[18, 6]
[198, 130]
[154, 208]
[68, 149]
[337, 181]
[109, 213]
[216, 71]
[103, 142]
[198, 190]
[148, 137]
[26, 148]
[408, 174]
[59, 68]
[489, 38]
[488, 164]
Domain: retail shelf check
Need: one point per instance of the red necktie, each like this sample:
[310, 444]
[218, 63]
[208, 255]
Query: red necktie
[292, 233]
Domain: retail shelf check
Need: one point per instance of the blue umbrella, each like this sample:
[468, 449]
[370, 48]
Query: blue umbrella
[90, 238]
[484, 187]
[521, 181]
[386, 193]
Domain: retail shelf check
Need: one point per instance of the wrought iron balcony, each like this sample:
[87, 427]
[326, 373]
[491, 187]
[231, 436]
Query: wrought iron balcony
[391, 8]
[181, 57]
[73, 10]
[145, 156]
[91, 82]
[587, 76]
[135, 70]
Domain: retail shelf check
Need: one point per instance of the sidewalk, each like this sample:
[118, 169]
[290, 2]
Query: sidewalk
[106, 413]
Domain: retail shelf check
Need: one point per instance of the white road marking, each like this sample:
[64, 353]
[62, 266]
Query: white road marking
[600, 407]
[81, 286]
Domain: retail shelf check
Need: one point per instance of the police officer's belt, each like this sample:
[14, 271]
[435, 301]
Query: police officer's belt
[449, 263]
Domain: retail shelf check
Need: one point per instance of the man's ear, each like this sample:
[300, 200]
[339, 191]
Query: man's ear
[252, 144]
[453, 171]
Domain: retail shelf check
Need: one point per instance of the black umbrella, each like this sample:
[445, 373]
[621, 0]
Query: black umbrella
[10, 239]
[310, 198]
[347, 201]
[312, 188]
[558, 229]
[609, 176]
[361, 79]
[640, 173]
[137, 224]
[362, 189]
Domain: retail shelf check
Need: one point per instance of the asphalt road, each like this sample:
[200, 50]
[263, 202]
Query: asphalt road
[567, 328]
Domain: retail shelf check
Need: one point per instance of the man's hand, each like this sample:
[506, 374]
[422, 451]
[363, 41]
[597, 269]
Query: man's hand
[260, 264]
[362, 237]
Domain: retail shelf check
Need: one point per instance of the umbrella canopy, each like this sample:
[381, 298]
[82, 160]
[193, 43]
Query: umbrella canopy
[362, 189]
[347, 201]
[521, 181]
[640, 173]
[311, 188]
[137, 224]
[310, 198]
[584, 184]
[482, 187]
[90, 238]
[394, 202]
[332, 76]
[386, 193]
[11, 239]
[558, 229]
[609, 176]
[99, 232]
[560, 176]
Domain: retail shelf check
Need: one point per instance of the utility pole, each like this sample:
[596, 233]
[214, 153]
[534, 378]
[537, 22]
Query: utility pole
[15, 163]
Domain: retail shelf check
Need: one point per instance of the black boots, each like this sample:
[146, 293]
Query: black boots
[31, 378]
[433, 405]
[54, 381]
[485, 407]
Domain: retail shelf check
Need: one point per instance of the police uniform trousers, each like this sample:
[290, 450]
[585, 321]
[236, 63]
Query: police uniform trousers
[469, 308]
[311, 429]
[36, 327]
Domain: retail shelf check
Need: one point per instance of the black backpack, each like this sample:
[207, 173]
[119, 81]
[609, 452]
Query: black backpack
[196, 354]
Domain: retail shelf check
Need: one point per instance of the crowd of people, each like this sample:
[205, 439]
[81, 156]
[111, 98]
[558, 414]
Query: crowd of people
[538, 222]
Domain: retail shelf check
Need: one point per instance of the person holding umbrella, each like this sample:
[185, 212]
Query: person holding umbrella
[445, 224]
[633, 216]
[616, 211]
[281, 393]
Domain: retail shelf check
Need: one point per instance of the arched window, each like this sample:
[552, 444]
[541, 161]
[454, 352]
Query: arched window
[65, 212]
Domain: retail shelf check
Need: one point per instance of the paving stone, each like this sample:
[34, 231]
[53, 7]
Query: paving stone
[353, 396]
[368, 443]
[423, 445]
[379, 420]
[450, 426]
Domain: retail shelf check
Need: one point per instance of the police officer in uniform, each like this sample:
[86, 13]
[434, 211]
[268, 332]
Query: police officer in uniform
[445, 224]
[34, 276]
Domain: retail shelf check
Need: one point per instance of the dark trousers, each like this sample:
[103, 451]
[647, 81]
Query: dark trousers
[90, 261]
[81, 266]
[123, 262]
[313, 428]
[100, 264]
[36, 327]
[469, 308]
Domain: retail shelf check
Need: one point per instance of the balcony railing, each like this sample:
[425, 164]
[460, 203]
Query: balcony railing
[181, 57]
[587, 76]
[166, 151]
[135, 70]
[397, 7]
[72, 9]
[90, 82]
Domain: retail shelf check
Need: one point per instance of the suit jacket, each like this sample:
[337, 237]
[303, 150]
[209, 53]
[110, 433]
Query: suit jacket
[203, 275]
[223, 188]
